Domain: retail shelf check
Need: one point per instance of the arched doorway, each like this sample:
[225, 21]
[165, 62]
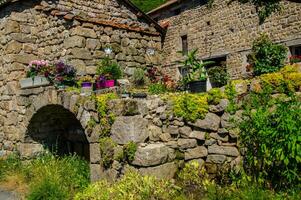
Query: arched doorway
[59, 131]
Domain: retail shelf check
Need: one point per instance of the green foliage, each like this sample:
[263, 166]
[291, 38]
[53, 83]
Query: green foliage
[129, 151]
[10, 164]
[48, 189]
[157, 88]
[190, 106]
[231, 93]
[139, 77]
[196, 70]
[271, 134]
[48, 176]
[109, 68]
[218, 76]
[146, 5]
[132, 186]
[215, 95]
[91, 123]
[266, 56]
[194, 180]
[107, 146]
[106, 118]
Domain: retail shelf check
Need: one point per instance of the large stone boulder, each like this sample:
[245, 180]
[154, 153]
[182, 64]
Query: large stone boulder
[129, 128]
[153, 154]
[211, 122]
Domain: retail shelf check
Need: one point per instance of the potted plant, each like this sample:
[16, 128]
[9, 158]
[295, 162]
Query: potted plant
[62, 75]
[109, 71]
[86, 82]
[37, 74]
[196, 76]
[218, 76]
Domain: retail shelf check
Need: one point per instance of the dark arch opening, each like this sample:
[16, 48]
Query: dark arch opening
[59, 131]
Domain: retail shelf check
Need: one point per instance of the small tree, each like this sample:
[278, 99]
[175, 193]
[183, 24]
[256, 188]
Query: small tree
[267, 57]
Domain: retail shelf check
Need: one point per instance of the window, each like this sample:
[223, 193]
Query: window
[184, 44]
[296, 50]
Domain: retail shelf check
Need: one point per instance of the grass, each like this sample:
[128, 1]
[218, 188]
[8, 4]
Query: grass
[46, 177]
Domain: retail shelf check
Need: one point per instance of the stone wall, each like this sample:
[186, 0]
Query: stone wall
[226, 30]
[165, 141]
[76, 31]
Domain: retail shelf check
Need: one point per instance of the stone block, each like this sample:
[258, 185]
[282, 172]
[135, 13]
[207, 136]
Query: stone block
[187, 143]
[199, 135]
[74, 41]
[81, 53]
[217, 159]
[223, 150]
[165, 171]
[211, 122]
[85, 32]
[152, 155]
[198, 152]
[95, 155]
[130, 128]
[29, 150]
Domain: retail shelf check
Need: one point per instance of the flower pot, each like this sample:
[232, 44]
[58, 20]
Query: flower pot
[197, 86]
[86, 85]
[100, 85]
[32, 82]
[139, 95]
[109, 83]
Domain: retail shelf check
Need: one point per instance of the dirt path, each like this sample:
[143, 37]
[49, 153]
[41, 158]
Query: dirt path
[5, 195]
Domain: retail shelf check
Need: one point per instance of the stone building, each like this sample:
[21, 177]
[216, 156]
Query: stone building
[224, 32]
[76, 31]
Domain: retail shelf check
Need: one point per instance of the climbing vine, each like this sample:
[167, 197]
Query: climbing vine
[264, 7]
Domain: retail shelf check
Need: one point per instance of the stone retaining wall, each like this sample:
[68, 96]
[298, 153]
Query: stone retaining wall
[165, 142]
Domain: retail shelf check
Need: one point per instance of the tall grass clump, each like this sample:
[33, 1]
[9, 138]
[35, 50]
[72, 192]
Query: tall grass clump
[45, 177]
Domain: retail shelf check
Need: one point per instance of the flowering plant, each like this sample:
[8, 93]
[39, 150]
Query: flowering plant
[38, 67]
[295, 59]
[62, 74]
[156, 76]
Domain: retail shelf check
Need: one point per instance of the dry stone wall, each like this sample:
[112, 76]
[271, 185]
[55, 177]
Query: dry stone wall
[226, 30]
[165, 142]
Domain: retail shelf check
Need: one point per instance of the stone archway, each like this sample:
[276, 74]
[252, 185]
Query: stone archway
[58, 130]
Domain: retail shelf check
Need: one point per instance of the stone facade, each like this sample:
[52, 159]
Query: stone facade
[76, 31]
[225, 30]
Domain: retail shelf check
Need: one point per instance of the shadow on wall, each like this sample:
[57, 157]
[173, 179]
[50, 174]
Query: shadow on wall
[58, 130]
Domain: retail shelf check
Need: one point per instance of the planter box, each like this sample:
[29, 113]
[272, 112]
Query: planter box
[36, 81]
[197, 86]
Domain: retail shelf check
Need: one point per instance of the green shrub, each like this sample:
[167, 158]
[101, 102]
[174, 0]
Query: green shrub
[129, 151]
[218, 76]
[9, 165]
[48, 189]
[139, 77]
[270, 132]
[267, 57]
[215, 95]
[132, 186]
[109, 68]
[107, 146]
[157, 88]
[190, 106]
[69, 173]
